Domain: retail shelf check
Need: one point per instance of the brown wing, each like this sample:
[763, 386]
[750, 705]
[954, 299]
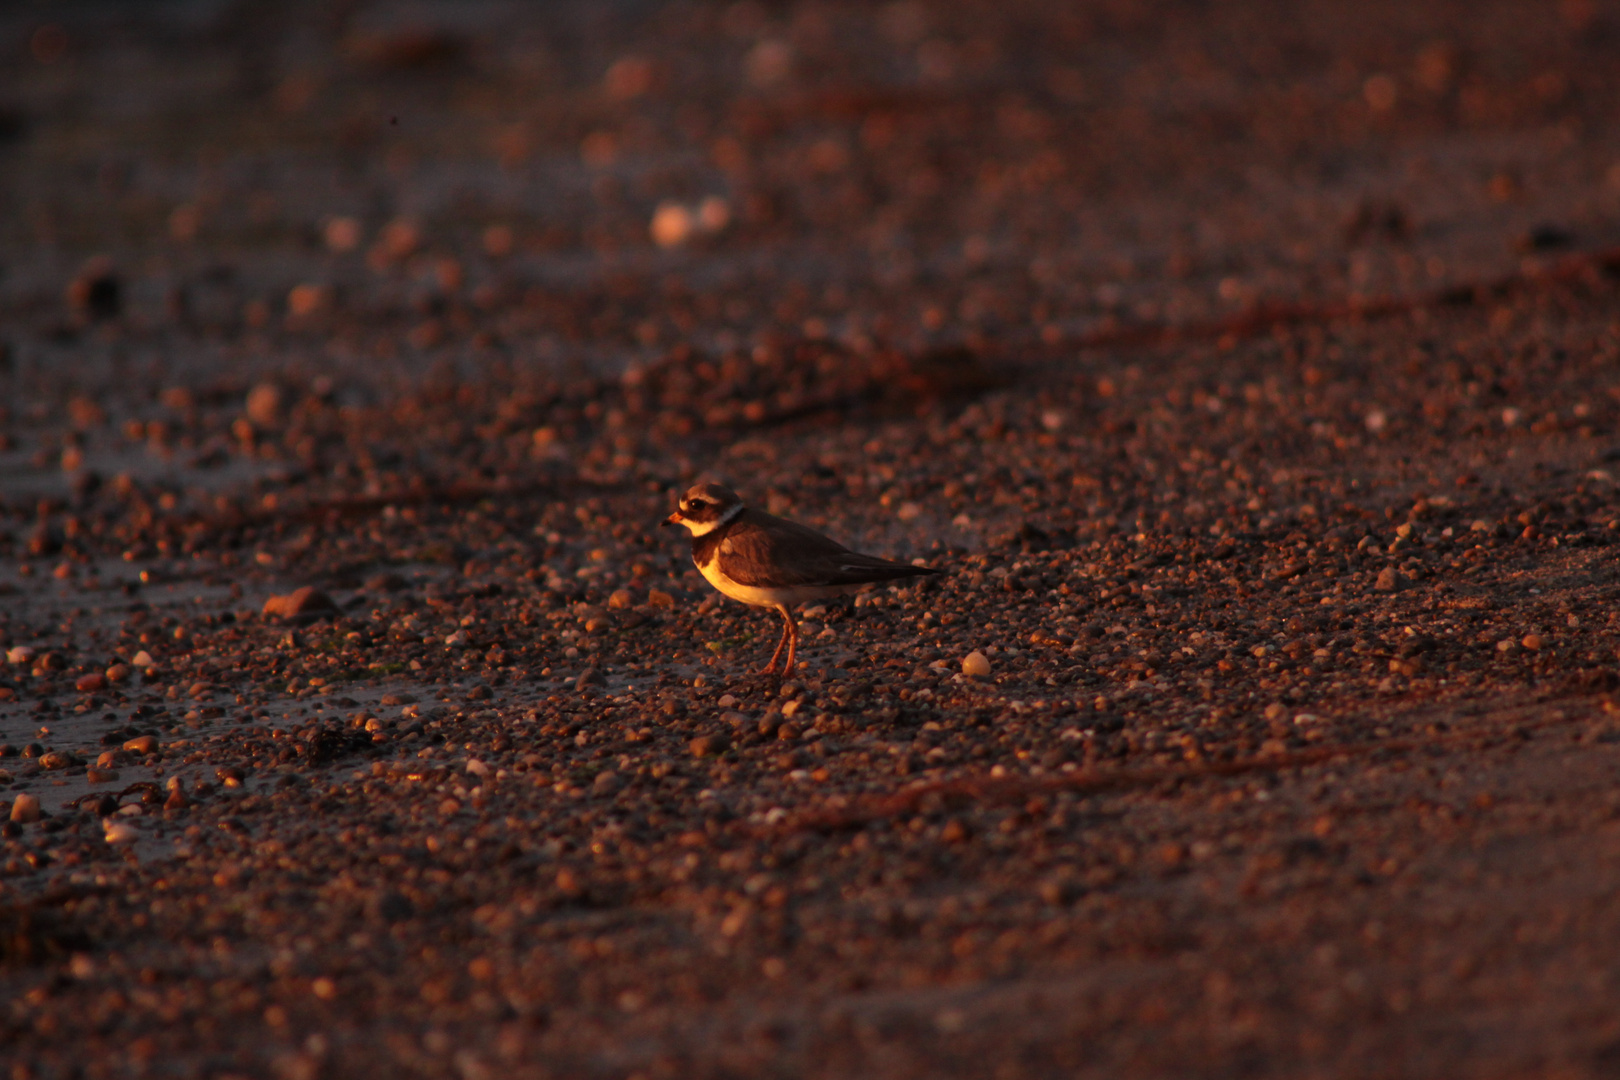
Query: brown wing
[771, 552]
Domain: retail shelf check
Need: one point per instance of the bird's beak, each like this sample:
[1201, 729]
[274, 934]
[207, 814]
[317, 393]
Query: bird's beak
[673, 519]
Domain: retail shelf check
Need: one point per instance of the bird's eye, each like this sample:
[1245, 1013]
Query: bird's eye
[698, 504]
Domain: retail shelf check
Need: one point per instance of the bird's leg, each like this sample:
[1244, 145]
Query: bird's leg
[793, 644]
[770, 668]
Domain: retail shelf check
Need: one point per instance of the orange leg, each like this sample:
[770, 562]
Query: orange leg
[793, 644]
[787, 632]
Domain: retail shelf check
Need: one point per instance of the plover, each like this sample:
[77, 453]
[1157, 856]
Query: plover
[770, 562]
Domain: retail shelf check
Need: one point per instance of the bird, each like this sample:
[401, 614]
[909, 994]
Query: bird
[766, 561]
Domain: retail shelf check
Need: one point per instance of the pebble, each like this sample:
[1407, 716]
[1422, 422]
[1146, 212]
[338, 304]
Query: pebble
[263, 405]
[568, 883]
[21, 654]
[976, 665]
[55, 759]
[589, 677]
[477, 767]
[89, 684]
[1532, 642]
[305, 604]
[142, 745]
[25, 809]
[121, 832]
[100, 776]
[621, 598]
[458, 640]
[142, 659]
[118, 673]
[709, 745]
[607, 783]
[672, 224]
[1389, 580]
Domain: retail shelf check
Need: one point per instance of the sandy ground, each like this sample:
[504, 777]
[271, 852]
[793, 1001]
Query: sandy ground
[1252, 370]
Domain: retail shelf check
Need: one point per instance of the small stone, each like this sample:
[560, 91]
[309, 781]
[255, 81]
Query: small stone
[55, 759]
[568, 883]
[727, 701]
[142, 659]
[120, 832]
[672, 224]
[1532, 642]
[976, 665]
[659, 599]
[25, 809]
[142, 745]
[458, 640]
[477, 767]
[108, 759]
[20, 655]
[91, 683]
[177, 799]
[200, 690]
[709, 745]
[264, 403]
[303, 605]
[100, 776]
[118, 673]
[621, 598]
[589, 677]
[1389, 580]
[607, 783]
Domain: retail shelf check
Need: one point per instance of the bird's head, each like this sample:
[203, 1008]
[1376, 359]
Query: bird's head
[705, 507]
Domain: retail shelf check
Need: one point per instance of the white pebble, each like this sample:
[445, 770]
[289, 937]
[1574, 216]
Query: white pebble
[25, 808]
[672, 225]
[477, 768]
[22, 654]
[976, 665]
[142, 659]
[121, 832]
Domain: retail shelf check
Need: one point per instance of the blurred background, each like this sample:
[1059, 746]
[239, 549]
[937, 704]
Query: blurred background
[593, 183]
[199, 195]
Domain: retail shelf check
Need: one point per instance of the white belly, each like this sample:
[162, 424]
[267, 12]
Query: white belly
[767, 597]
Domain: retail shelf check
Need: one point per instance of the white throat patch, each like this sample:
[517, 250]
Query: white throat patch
[704, 528]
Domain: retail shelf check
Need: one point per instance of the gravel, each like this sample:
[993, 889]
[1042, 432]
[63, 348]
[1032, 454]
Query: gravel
[1250, 374]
